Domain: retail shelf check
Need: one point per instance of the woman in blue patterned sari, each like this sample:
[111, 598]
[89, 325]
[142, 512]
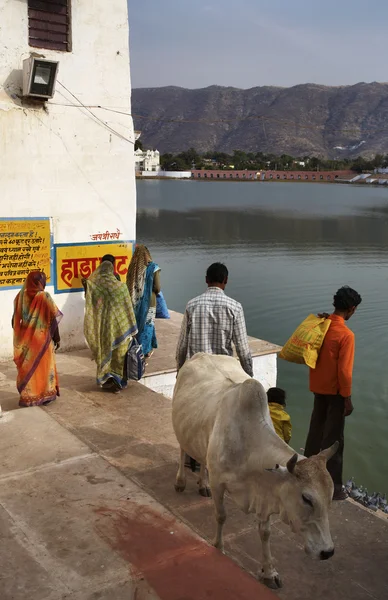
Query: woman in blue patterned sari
[143, 281]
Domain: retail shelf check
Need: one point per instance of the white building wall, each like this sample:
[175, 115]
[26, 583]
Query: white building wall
[61, 162]
[170, 174]
[265, 369]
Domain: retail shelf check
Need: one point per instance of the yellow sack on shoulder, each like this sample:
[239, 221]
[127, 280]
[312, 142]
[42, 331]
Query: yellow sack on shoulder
[305, 343]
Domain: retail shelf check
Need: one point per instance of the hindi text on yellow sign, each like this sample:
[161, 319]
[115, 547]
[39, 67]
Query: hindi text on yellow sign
[74, 262]
[25, 245]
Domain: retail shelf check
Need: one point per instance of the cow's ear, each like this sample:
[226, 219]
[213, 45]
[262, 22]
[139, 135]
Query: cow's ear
[291, 463]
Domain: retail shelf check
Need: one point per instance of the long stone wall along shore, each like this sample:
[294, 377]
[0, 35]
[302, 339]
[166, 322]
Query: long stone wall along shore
[306, 176]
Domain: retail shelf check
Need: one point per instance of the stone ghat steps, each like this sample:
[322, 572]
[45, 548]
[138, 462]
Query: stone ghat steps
[74, 475]
[74, 528]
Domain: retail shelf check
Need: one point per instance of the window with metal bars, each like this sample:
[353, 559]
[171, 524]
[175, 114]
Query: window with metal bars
[49, 24]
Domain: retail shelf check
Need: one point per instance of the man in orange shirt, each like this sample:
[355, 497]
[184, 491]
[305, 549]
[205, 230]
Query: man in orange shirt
[331, 384]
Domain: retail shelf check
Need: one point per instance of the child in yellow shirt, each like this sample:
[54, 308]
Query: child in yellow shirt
[280, 418]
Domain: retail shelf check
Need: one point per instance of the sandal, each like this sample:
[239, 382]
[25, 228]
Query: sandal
[340, 493]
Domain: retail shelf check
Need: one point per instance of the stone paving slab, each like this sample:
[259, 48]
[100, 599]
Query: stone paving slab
[30, 439]
[124, 590]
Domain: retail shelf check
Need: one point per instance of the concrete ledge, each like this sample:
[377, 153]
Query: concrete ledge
[168, 330]
[161, 369]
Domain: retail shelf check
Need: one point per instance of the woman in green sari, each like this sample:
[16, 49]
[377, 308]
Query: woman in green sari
[109, 326]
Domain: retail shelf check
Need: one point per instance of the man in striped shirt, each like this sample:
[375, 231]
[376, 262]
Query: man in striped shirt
[213, 321]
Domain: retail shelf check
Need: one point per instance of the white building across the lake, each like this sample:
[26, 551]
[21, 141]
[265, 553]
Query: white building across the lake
[147, 160]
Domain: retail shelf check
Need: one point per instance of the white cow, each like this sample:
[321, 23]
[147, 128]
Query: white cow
[221, 418]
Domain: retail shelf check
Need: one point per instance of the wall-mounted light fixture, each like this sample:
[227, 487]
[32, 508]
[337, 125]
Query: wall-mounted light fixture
[39, 77]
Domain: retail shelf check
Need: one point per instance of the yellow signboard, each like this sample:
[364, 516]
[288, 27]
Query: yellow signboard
[25, 245]
[74, 262]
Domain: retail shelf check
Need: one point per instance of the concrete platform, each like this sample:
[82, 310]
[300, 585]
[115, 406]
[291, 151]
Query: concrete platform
[161, 369]
[168, 330]
[88, 510]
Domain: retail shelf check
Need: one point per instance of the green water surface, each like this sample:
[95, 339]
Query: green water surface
[288, 247]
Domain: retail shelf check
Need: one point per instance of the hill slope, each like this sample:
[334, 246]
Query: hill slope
[307, 119]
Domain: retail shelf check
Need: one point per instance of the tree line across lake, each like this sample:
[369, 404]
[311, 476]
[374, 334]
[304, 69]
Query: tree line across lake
[259, 161]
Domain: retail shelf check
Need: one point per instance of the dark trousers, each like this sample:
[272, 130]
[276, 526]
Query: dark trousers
[327, 427]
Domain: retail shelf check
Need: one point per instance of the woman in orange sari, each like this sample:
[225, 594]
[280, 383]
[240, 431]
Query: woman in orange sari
[36, 337]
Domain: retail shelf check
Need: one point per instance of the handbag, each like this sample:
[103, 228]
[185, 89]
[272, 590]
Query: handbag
[135, 361]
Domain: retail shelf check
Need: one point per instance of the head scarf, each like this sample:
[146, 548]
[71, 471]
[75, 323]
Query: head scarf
[36, 318]
[33, 306]
[137, 273]
[34, 283]
[109, 321]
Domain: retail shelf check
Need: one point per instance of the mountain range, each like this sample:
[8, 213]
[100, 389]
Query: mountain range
[303, 120]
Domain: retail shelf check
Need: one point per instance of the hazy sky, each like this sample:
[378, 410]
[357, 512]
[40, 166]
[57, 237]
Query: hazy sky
[247, 43]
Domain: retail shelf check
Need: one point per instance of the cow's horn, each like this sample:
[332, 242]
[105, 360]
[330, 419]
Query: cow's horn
[329, 452]
[291, 463]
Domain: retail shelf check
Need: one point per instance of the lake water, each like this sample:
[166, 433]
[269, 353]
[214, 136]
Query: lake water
[288, 248]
